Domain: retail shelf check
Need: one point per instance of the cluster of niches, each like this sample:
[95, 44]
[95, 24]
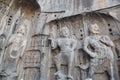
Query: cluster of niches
[81, 33]
[10, 17]
[110, 29]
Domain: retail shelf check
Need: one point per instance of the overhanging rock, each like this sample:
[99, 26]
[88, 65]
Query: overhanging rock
[56, 9]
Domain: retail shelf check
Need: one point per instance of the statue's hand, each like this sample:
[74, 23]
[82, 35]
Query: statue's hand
[104, 39]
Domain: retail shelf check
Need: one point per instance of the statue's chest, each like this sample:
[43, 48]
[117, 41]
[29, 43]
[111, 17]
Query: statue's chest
[64, 42]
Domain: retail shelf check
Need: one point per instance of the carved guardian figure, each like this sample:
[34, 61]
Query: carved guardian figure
[67, 50]
[99, 48]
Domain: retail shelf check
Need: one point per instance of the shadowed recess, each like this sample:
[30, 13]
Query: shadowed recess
[31, 4]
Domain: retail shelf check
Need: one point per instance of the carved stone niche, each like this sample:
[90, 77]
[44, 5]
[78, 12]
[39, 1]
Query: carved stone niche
[78, 27]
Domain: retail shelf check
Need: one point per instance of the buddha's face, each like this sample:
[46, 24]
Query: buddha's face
[95, 29]
[64, 32]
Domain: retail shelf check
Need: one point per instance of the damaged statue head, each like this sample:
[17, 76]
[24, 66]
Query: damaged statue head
[94, 29]
[64, 32]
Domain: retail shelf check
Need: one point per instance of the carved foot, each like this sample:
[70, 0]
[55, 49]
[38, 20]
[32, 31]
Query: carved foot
[70, 77]
[88, 79]
[60, 76]
[57, 73]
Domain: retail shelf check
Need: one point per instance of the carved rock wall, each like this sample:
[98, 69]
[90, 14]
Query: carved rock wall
[38, 59]
[78, 26]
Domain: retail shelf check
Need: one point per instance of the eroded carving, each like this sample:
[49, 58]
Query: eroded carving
[16, 47]
[67, 50]
[99, 50]
[18, 42]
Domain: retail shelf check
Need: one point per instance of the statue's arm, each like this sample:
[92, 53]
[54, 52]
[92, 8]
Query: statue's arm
[86, 43]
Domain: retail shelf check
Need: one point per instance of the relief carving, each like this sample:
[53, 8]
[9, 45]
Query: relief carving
[18, 42]
[67, 50]
[58, 47]
[99, 47]
[16, 47]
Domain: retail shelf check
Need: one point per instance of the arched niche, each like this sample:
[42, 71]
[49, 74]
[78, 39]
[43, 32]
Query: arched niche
[78, 26]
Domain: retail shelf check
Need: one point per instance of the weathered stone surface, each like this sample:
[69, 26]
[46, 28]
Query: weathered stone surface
[29, 29]
[65, 8]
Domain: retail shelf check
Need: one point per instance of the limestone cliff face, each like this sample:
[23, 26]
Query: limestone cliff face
[27, 27]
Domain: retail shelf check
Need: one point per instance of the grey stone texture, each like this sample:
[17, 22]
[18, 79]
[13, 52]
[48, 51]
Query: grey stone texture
[59, 39]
